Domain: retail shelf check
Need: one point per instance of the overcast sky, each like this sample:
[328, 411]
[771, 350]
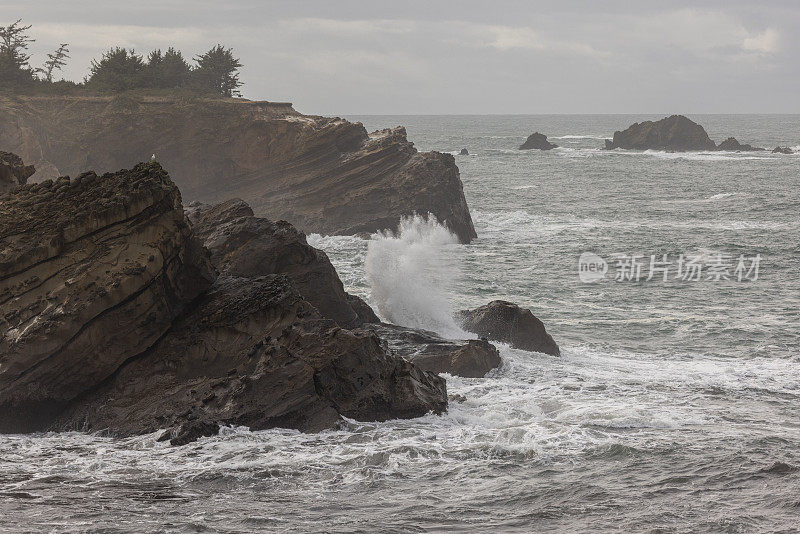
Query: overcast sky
[400, 57]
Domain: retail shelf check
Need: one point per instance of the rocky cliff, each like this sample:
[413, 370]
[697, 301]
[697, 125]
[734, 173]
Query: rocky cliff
[323, 175]
[13, 172]
[112, 317]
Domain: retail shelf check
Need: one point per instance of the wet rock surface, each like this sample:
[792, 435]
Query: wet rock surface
[468, 358]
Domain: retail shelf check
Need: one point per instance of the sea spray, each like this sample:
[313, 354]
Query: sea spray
[409, 274]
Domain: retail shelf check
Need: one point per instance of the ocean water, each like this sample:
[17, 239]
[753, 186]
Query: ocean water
[673, 408]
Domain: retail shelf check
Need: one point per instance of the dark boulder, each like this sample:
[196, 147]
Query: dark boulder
[732, 145]
[674, 133]
[508, 323]
[13, 172]
[537, 141]
[464, 152]
[782, 150]
[246, 246]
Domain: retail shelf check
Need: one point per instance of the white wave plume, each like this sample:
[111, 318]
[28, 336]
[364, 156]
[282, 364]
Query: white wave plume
[408, 274]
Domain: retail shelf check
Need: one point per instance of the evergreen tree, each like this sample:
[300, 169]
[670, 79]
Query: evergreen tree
[119, 69]
[15, 69]
[216, 72]
[55, 61]
[174, 69]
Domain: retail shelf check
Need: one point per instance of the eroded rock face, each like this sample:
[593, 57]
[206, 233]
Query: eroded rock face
[732, 145]
[537, 141]
[674, 133]
[13, 172]
[468, 358]
[323, 175]
[508, 323]
[93, 270]
[242, 245]
[253, 352]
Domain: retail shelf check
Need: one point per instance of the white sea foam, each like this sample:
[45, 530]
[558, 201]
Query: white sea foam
[408, 273]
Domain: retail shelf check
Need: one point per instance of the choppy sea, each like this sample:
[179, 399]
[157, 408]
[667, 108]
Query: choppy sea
[673, 407]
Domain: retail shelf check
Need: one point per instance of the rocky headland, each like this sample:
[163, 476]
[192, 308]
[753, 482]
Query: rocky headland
[324, 175]
[114, 316]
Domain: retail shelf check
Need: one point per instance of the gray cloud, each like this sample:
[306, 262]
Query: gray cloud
[462, 57]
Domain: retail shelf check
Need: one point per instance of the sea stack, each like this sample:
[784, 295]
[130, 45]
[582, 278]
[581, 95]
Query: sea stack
[675, 133]
[782, 150]
[537, 141]
[508, 323]
[464, 152]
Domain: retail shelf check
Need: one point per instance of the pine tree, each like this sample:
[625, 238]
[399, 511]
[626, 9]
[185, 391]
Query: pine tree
[119, 69]
[15, 69]
[55, 61]
[216, 72]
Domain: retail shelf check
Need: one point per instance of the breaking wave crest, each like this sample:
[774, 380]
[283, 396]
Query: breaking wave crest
[408, 274]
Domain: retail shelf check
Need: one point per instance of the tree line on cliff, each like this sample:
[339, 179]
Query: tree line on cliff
[118, 70]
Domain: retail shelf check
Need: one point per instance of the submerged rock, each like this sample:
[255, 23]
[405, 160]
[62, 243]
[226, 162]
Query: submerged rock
[537, 141]
[323, 175]
[111, 319]
[674, 133]
[732, 145]
[782, 150]
[13, 172]
[243, 245]
[508, 323]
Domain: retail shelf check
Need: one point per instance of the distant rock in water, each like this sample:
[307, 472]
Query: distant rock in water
[112, 317]
[675, 133]
[13, 172]
[782, 150]
[732, 145]
[537, 141]
[508, 323]
[464, 152]
[323, 175]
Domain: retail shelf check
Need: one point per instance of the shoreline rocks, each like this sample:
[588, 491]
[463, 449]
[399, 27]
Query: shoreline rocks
[782, 150]
[506, 322]
[113, 317]
[537, 141]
